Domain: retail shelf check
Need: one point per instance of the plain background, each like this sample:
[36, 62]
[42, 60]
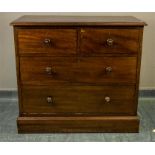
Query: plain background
[7, 52]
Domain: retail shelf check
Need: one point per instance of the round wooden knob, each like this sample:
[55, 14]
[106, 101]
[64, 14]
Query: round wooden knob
[108, 69]
[110, 42]
[47, 41]
[49, 99]
[48, 70]
[107, 99]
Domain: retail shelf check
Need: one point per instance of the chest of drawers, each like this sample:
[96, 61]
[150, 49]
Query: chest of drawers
[78, 74]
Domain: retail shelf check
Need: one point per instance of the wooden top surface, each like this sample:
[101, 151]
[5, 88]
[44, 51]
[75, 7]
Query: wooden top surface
[31, 20]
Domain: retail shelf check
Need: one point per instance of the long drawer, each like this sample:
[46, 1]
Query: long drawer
[59, 42]
[68, 100]
[89, 70]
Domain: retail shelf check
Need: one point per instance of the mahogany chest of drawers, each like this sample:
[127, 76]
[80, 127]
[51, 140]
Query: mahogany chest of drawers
[78, 74]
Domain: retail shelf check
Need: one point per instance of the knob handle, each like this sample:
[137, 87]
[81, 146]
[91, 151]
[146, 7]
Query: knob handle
[48, 70]
[110, 42]
[107, 99]
[47, 41]
[108, 69]
[49, 99]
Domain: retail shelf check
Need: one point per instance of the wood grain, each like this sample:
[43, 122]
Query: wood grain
[32, 20]
[79, 99]
[88, 70]
[62, 41]
[78, 124]
[94, 41]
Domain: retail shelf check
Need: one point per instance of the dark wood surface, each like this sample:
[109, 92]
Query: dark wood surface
[138, 67]
[62, 41]
[79, 99]
[78, 124]
[87, 70]
[78, 51]
[32, 20]
[94, 41]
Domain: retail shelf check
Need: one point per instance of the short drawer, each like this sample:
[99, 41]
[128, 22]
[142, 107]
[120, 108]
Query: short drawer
[96, 41]
[90, 70]
[68, 100]
[58, 42]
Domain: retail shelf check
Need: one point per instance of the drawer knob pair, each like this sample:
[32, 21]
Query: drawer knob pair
[107, 99]
[110, 42]
[49, 99]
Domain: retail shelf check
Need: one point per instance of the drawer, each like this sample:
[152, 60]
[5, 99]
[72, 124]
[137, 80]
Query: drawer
[109, 41]
[79, 100]
[89, 70]
[59, 42]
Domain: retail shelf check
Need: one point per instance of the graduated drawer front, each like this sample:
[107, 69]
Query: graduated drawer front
[51, 41]
[99, 41]
[89, 70]
[78, 99]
